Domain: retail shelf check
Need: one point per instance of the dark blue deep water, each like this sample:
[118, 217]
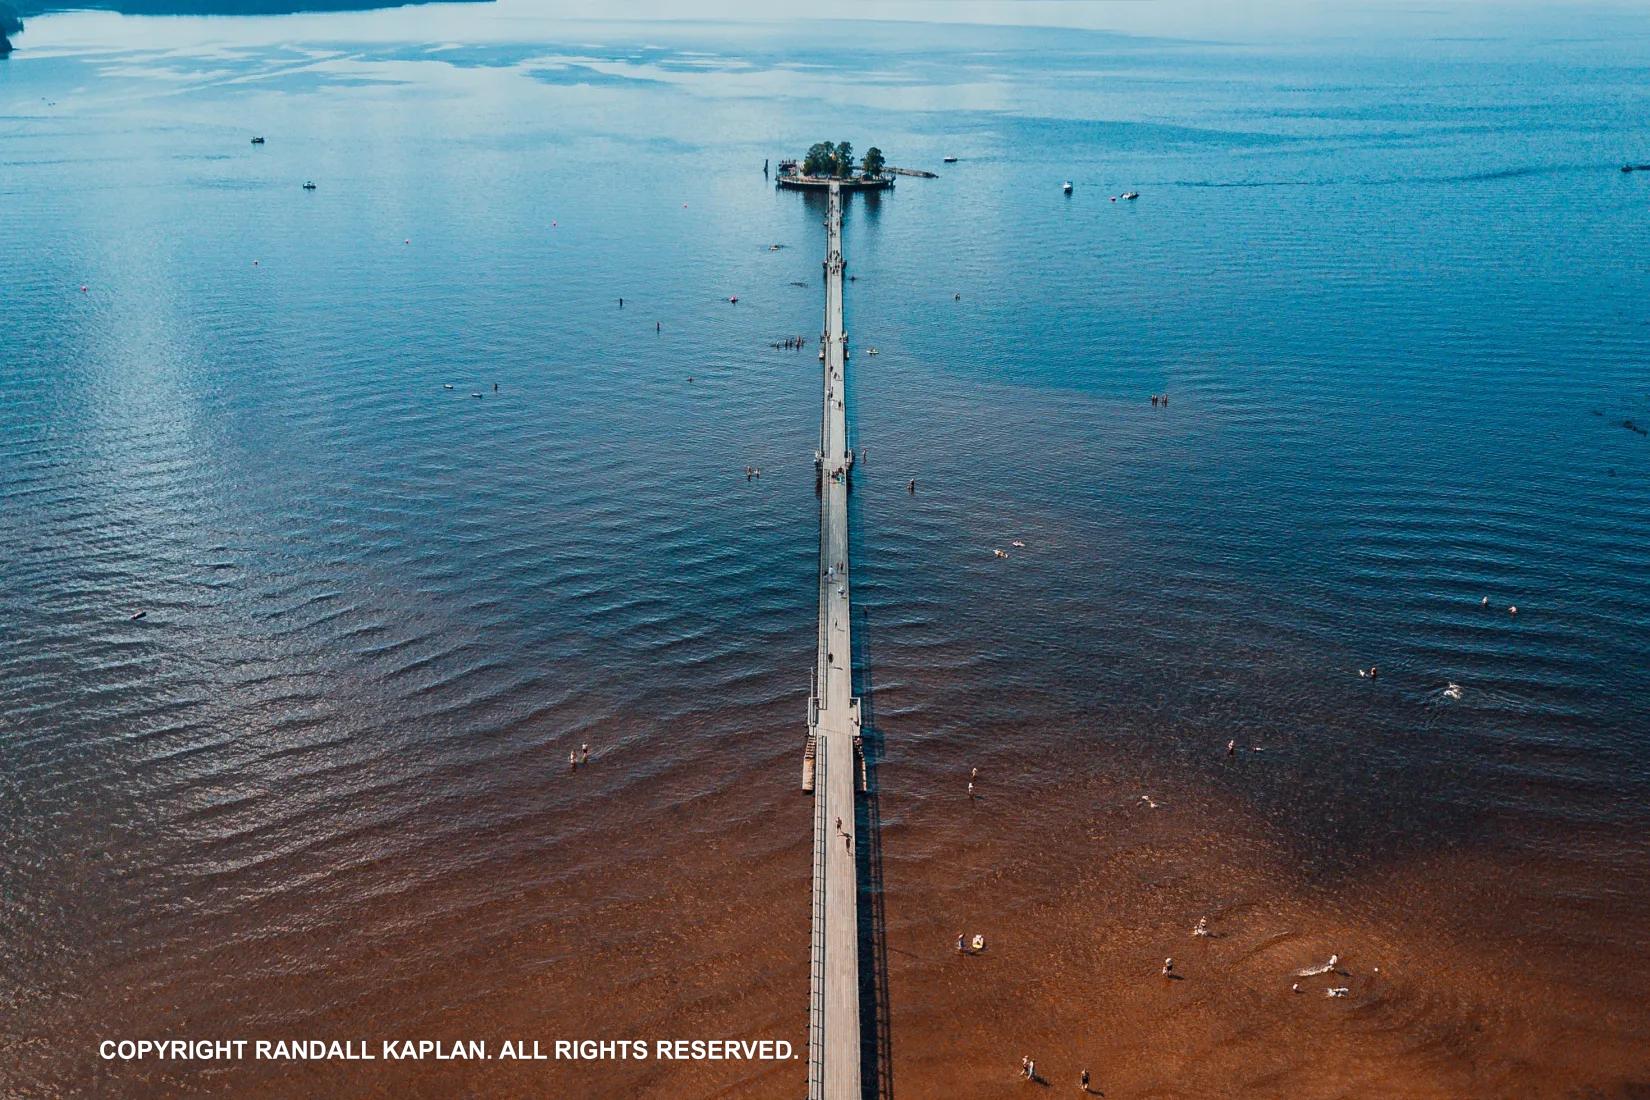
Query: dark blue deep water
[1394, 283]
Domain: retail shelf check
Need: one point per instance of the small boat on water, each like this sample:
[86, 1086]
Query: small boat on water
[1635, 168]
[1066, 187]
[1129, 196]
[257, 141]
[951, 160]
[309, 185]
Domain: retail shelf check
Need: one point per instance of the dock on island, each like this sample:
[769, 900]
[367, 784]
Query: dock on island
[799, 182]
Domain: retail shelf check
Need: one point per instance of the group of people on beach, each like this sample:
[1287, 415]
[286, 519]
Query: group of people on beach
[1028, 1072]
[974, 945]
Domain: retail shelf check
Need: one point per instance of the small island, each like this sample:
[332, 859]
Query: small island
[828, 162]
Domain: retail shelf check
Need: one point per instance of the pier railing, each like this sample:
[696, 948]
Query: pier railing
[816, 976]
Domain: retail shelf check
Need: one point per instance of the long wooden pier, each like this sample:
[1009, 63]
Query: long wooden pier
[831, 766]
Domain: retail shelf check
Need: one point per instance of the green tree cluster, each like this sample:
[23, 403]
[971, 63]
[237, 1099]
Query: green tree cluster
[835, 159]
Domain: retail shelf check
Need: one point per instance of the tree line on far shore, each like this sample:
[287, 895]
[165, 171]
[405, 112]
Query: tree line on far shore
[836, 159]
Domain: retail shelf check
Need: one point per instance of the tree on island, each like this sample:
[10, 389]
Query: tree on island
[874, 162]
[821, 159]
[832, 159]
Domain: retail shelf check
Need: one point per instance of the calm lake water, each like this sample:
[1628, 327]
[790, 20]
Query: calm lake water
[1395, 287]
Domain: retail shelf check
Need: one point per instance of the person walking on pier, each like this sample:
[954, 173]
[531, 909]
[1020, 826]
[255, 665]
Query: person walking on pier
[1025, 1066]
[962, 949]
[1083, 1080]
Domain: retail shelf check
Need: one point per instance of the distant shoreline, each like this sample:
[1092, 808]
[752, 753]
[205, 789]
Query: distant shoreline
[218, 7]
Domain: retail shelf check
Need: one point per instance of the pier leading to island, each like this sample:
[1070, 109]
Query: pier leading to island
[831, 766]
